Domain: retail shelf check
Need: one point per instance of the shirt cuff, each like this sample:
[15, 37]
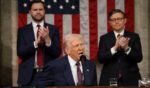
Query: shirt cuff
[35, 45]
[48, 44]
[113, 51]
[128, 50]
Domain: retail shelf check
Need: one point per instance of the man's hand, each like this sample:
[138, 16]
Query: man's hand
[117, 46]
[124, 42]
[45, 35]
[39, 40]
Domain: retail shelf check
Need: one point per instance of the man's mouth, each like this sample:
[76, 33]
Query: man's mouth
[80, 53]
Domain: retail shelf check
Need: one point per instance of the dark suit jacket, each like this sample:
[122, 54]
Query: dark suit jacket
[120, 61]
[61, 75]
[26, 50]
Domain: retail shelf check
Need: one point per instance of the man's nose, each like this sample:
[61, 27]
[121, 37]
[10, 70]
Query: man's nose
[117, 21]
[80, 47]
[38, 11]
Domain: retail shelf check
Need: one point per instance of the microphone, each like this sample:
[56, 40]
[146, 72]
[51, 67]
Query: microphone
[82, 58]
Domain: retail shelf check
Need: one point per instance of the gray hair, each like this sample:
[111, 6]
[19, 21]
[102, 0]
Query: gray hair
[69, 38]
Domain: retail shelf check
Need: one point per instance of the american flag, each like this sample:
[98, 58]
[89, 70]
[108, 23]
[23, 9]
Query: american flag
[87, 17]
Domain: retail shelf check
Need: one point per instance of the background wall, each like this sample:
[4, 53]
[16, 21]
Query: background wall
[142, 27]
[8, 32]
[6, 42]
[149, 32]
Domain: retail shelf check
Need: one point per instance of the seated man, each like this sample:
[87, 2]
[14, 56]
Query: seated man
[73, 69]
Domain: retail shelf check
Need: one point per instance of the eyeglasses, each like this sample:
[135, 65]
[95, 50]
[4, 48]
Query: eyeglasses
[116, 19]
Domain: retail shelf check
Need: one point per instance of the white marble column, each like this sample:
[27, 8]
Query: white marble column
[142, 28]
[8, 31]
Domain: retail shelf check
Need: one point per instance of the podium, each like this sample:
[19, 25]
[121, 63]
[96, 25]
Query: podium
[94, 87]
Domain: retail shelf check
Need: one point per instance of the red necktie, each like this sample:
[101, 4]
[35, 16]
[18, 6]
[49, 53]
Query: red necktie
[79, 74]
[39, 52]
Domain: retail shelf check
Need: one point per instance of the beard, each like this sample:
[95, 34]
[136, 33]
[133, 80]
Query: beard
[37, 19]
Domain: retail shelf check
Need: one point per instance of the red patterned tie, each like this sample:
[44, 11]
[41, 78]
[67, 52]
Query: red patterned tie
[119, 48]
[39, 52]
[79, 74]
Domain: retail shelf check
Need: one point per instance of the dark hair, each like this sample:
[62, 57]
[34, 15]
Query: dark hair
[36, 1]
[116, 11]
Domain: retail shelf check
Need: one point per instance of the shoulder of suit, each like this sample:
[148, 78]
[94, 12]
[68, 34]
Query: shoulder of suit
[54, 65]
[59, 61]
[51, 25]
[89, 62]
[132, 33]
[26, 26]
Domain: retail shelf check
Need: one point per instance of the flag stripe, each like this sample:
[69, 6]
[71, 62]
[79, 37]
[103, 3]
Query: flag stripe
[102, 17]
[75, 23]
[84, 21]
[129, 10]
[49, 18]
[119, 4]
[67, 24]
[58, 21]
[110, 6]
[93, 28]
[22, 19]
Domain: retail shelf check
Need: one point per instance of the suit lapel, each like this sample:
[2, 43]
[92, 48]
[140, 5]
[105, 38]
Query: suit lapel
[112, 39]
[126, 34]
[67, 73]
[86, 72]
[30, 33]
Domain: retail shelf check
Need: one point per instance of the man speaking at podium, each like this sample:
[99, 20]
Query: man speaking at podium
[73, 69]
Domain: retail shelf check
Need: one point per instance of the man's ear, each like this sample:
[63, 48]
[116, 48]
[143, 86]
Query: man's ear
[67, 51]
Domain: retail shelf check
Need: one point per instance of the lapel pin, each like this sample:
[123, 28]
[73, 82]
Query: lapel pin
[87, 70]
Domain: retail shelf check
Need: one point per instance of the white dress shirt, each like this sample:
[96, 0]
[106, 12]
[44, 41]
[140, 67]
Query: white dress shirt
[35, 29]
[73, 66]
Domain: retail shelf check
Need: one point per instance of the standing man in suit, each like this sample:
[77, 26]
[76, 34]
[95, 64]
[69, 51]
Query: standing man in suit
[36, 40]
[73, 69]
[119, 52]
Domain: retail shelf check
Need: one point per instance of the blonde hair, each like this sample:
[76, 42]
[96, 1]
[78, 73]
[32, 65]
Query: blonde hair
[69, 38]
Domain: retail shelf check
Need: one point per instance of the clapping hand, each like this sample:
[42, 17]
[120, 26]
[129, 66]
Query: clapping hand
[43, 36]
[123, 42]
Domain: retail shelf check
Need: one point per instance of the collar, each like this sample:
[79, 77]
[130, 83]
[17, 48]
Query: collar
[72, 61]
[40, 23]
[121, 33]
